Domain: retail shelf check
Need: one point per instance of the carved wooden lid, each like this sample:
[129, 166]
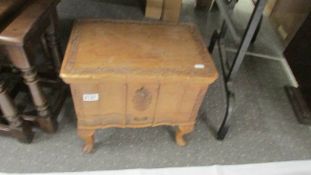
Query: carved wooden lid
[118, 49]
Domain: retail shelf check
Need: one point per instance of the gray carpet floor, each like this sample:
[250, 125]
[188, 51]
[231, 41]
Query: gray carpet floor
[264, 127]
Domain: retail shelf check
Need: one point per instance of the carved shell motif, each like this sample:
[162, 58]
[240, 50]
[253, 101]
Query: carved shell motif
[142, 99]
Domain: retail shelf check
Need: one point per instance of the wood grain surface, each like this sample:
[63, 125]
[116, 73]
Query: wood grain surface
[136, 75]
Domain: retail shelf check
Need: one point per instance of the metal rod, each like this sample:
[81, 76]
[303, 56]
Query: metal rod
[248, 35]
[225, 11]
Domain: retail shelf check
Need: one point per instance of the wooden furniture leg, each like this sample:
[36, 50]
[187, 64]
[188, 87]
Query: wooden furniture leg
[45, 119]
[87, 135]
[52, 41]
[183, 130]
[17, 128]
[19, 56]
[19, 37]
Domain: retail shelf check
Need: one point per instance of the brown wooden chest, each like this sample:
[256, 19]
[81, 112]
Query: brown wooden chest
[133, 74]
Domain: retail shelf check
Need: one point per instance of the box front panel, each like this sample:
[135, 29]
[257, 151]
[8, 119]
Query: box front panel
[100, 104]
[137, 104]
[141, 103]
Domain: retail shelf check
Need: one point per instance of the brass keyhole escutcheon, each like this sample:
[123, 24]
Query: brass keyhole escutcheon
[142, 99]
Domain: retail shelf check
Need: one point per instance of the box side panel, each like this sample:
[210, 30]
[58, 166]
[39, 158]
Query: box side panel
[179, 103]
[169, 101]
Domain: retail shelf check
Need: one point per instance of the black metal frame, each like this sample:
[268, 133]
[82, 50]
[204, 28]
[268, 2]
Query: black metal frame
[229, 71]
[300, 106]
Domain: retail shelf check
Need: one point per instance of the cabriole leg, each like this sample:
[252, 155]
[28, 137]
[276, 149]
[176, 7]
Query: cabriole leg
[181, 132]
[87, 135]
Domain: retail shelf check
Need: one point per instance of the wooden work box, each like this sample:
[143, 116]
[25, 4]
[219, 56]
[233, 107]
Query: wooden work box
[132, 74]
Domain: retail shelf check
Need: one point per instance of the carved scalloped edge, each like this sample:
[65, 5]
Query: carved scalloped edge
[74, 39]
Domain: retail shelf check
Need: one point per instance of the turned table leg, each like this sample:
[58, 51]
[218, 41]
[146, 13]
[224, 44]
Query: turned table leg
[87, 135]
[181, 132]
[45, 119]
[18, 128]
[20, 57]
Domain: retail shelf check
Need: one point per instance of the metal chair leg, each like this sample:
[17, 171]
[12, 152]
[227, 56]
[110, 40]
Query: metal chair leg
[249, 34]
[224, 127]
[257, 30]
[212, 44]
